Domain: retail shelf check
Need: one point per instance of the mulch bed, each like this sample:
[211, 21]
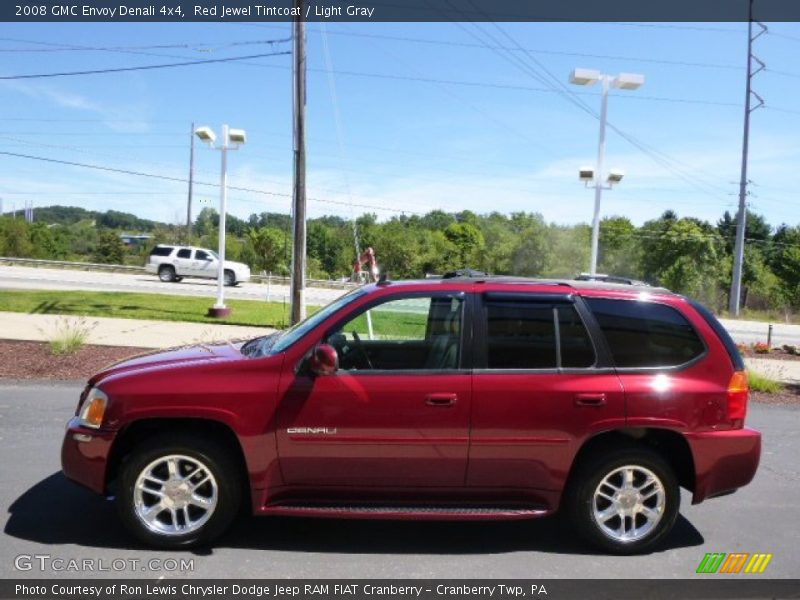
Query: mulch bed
[776, 353]
[33, 360]
[789, 395]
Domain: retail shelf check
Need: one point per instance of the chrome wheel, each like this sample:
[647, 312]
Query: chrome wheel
[629, 503]
[175, 495]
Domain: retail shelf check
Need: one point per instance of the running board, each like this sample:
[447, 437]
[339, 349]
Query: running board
[429, 513]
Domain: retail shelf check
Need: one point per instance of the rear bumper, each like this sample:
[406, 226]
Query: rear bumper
[723, 460]
[84, 455]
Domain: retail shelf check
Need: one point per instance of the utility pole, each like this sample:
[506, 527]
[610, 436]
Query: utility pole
[741, 218]
[191, 182]
[298, 310]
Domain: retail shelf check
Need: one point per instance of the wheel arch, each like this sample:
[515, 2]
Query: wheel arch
[135, 432]
[669, 444]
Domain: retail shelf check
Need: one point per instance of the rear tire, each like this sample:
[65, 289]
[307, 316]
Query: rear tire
[624, 501]
[166, 273]
[178, 491]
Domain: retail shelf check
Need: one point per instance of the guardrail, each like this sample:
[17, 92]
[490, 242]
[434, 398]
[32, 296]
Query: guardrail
[85, 266]
[63, 264]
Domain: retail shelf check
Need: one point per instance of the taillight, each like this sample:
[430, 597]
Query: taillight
[738, 390]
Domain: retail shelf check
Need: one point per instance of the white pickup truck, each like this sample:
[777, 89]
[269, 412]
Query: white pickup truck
[173, 263]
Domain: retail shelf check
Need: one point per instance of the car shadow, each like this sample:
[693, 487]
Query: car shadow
[83, 518]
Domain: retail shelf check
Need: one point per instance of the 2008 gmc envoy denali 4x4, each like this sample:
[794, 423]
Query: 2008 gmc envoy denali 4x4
[456, 398]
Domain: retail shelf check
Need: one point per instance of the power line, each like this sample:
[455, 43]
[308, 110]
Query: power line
[196, 46]
[183, 180]
[553, 82]
[453, 43]
[142, 67]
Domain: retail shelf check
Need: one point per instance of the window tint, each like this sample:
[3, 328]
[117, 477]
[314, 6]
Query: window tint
[184, 253]
[408, 333]
[577, 350]
[645, 334]
[521, 335]
[161, 251]
[201, 255]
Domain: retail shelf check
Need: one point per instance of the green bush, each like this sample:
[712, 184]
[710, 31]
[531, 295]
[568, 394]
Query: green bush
[761, 383]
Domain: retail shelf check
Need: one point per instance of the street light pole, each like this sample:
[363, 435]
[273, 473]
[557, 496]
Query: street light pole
[219, 308]
[234, 138]
[598, 184]
[594, 177]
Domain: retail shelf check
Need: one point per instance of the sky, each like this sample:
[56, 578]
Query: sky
[402, 118]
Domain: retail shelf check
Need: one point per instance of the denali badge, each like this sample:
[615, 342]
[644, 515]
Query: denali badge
[325, 430]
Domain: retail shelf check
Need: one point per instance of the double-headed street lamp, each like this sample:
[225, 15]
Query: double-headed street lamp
[594, 177]
[231, 140]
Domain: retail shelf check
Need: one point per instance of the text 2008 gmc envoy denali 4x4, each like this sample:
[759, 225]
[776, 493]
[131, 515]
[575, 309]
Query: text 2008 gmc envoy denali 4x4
[460, 398]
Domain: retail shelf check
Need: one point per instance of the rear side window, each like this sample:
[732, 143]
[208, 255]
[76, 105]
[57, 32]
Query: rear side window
[161, 251]
[184, 253]
[531, 335]
[645, 334]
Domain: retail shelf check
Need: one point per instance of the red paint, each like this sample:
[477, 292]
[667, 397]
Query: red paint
[450, 439]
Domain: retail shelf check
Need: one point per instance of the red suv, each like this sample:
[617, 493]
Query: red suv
[462, 398]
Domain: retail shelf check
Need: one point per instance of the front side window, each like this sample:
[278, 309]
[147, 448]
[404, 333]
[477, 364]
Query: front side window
[645, 334]
[524, 334]
[415, 333]
[202, 255]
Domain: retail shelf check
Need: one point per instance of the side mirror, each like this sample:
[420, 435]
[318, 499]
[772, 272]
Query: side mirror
[324, 360]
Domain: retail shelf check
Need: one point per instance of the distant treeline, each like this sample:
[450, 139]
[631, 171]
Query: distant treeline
[687, 255]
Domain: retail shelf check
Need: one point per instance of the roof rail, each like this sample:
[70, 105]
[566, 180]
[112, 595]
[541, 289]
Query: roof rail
[466, 273]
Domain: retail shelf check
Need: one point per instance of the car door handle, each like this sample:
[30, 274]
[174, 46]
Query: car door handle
[590, 399]
[441, 399]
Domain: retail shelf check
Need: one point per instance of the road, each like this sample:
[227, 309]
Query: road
[47, 515]
[35, 278]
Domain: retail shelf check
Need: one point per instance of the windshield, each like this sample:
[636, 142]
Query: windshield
[294, 333]
[214, 254]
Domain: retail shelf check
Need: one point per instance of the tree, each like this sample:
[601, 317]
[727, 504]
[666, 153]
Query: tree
[756, 228]
[109, 249]
[267, 245]
[46, 244]
[618, 247]
[683, 255]
[468, 243]
[784, 259]
[14, 240]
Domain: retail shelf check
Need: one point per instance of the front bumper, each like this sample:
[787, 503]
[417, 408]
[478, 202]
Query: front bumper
[723, 460]
[84, 455]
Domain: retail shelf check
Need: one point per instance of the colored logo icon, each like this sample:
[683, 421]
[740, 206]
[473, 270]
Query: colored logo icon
[736, 562]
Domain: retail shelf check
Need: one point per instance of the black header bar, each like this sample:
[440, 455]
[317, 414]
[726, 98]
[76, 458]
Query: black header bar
[144, 11]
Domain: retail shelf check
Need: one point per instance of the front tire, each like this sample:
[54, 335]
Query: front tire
[624, 501]
[178, 491]
[229, 277]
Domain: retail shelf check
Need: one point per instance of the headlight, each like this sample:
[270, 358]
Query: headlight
[94, 408]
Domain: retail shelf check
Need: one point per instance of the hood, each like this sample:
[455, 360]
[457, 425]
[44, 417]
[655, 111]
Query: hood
[175, 356]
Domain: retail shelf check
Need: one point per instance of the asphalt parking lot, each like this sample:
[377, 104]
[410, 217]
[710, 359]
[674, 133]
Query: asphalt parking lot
[48, 516]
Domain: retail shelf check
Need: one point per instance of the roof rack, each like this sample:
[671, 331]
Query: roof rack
[602, 277]
[466, 273]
